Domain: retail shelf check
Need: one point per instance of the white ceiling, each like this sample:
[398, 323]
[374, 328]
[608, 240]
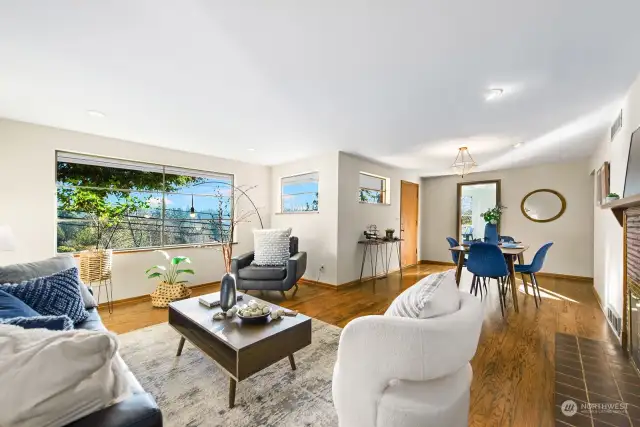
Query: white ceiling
[399, 81]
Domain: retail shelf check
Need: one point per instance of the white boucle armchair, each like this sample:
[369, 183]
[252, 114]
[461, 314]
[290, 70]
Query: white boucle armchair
[402, 372]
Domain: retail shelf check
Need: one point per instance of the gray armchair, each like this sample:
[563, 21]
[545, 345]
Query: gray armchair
[280, 278]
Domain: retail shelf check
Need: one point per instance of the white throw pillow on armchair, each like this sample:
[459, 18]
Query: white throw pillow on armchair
[435, 295]
[271, 246]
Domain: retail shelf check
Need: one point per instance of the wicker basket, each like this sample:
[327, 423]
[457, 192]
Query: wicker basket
[95, 265]
[166, 293]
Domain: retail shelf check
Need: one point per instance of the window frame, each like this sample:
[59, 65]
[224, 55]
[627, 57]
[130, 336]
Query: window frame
[282, 178]
[165, 169]
[384, 189]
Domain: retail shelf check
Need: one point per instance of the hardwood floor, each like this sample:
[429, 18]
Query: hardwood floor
[513, 368]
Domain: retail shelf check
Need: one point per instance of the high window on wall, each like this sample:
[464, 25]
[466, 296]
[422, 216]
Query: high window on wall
[299, 193]
[117, 204]
[373, 189]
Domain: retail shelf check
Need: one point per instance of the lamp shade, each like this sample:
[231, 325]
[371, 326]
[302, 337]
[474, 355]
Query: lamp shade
[7, 241]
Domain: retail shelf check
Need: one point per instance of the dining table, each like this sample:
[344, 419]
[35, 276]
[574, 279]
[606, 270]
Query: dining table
[509, 254]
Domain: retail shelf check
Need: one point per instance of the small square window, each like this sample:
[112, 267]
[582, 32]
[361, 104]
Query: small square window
[299, 193]
[373, 189]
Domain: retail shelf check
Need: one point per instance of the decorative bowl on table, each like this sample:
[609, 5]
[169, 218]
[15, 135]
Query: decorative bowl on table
[254, 312]
[510, 245]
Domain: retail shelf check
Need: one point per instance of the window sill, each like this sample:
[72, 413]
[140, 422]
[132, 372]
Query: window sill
[163, 248]
[375, 204]
[298, 213]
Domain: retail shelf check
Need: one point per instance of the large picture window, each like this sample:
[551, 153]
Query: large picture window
[299, 193]
[373, 189]
[108, 203]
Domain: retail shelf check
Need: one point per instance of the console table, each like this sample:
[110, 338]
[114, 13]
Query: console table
[383, 247]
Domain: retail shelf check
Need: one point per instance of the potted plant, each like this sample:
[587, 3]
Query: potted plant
[389, 233]
[492, 219]
[171, 288]
[611, 197]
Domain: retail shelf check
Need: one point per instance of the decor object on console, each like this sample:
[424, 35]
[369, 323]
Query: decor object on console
[389, 233]
[95, 271]
[464, 163]
[407, 372]
[7, 240]
[270, 278]
[371, 232]
[170, 288]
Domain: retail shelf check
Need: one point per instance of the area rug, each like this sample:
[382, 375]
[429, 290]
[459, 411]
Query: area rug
[192, 391]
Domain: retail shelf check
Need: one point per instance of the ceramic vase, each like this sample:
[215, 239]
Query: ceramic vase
[491, 233]
[227, 291]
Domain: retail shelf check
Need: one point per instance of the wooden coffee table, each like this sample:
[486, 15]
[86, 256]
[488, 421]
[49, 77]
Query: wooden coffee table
[238, 348]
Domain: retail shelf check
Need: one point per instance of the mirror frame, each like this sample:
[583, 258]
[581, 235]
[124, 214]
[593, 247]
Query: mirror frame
[544, 190]
[497, 182]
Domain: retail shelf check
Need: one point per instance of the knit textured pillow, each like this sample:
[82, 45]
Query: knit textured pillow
[435, 295]
[53, 323]
[55, 295]
[271, 247]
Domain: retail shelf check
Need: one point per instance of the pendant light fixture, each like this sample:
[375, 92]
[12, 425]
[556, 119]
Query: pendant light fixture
[463, 163]
[192, 213]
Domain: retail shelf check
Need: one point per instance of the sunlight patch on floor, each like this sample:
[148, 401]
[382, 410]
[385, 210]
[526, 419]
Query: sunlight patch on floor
[547, 294]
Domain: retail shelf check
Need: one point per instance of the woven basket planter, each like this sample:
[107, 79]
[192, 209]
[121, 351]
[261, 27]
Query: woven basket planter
[165, 293]
[95, 265]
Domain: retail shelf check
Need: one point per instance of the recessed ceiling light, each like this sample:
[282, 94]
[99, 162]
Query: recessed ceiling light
[516, 145]
[251, 149]
[494, 93]
[95, 113]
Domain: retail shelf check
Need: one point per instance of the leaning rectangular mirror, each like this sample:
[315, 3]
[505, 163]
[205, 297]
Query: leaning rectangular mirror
[474, 198]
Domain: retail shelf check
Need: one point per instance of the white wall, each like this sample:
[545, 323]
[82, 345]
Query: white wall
[353, 216]
[607, 255]
[28, 198]
[317, 231]
[573, 240]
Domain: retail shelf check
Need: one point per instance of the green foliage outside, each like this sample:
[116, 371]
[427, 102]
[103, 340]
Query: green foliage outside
[105, 207]
[370, 196]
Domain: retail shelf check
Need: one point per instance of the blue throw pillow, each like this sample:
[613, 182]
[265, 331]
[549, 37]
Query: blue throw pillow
[53, 323]
[11, 306]
[55, 295]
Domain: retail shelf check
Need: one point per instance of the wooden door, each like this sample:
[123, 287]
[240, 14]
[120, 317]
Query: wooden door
[409, 222]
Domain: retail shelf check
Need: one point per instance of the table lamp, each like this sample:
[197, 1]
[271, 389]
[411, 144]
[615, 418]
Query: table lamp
[7, 241]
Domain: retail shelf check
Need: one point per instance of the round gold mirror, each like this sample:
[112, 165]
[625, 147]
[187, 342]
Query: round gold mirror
[543, 205]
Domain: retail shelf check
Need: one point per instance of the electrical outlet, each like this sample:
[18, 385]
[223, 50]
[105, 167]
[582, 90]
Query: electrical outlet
[321, 267]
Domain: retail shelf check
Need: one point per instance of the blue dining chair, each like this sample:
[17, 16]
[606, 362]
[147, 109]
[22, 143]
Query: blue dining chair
[486, 262]
[455, 254]
[533, 268]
